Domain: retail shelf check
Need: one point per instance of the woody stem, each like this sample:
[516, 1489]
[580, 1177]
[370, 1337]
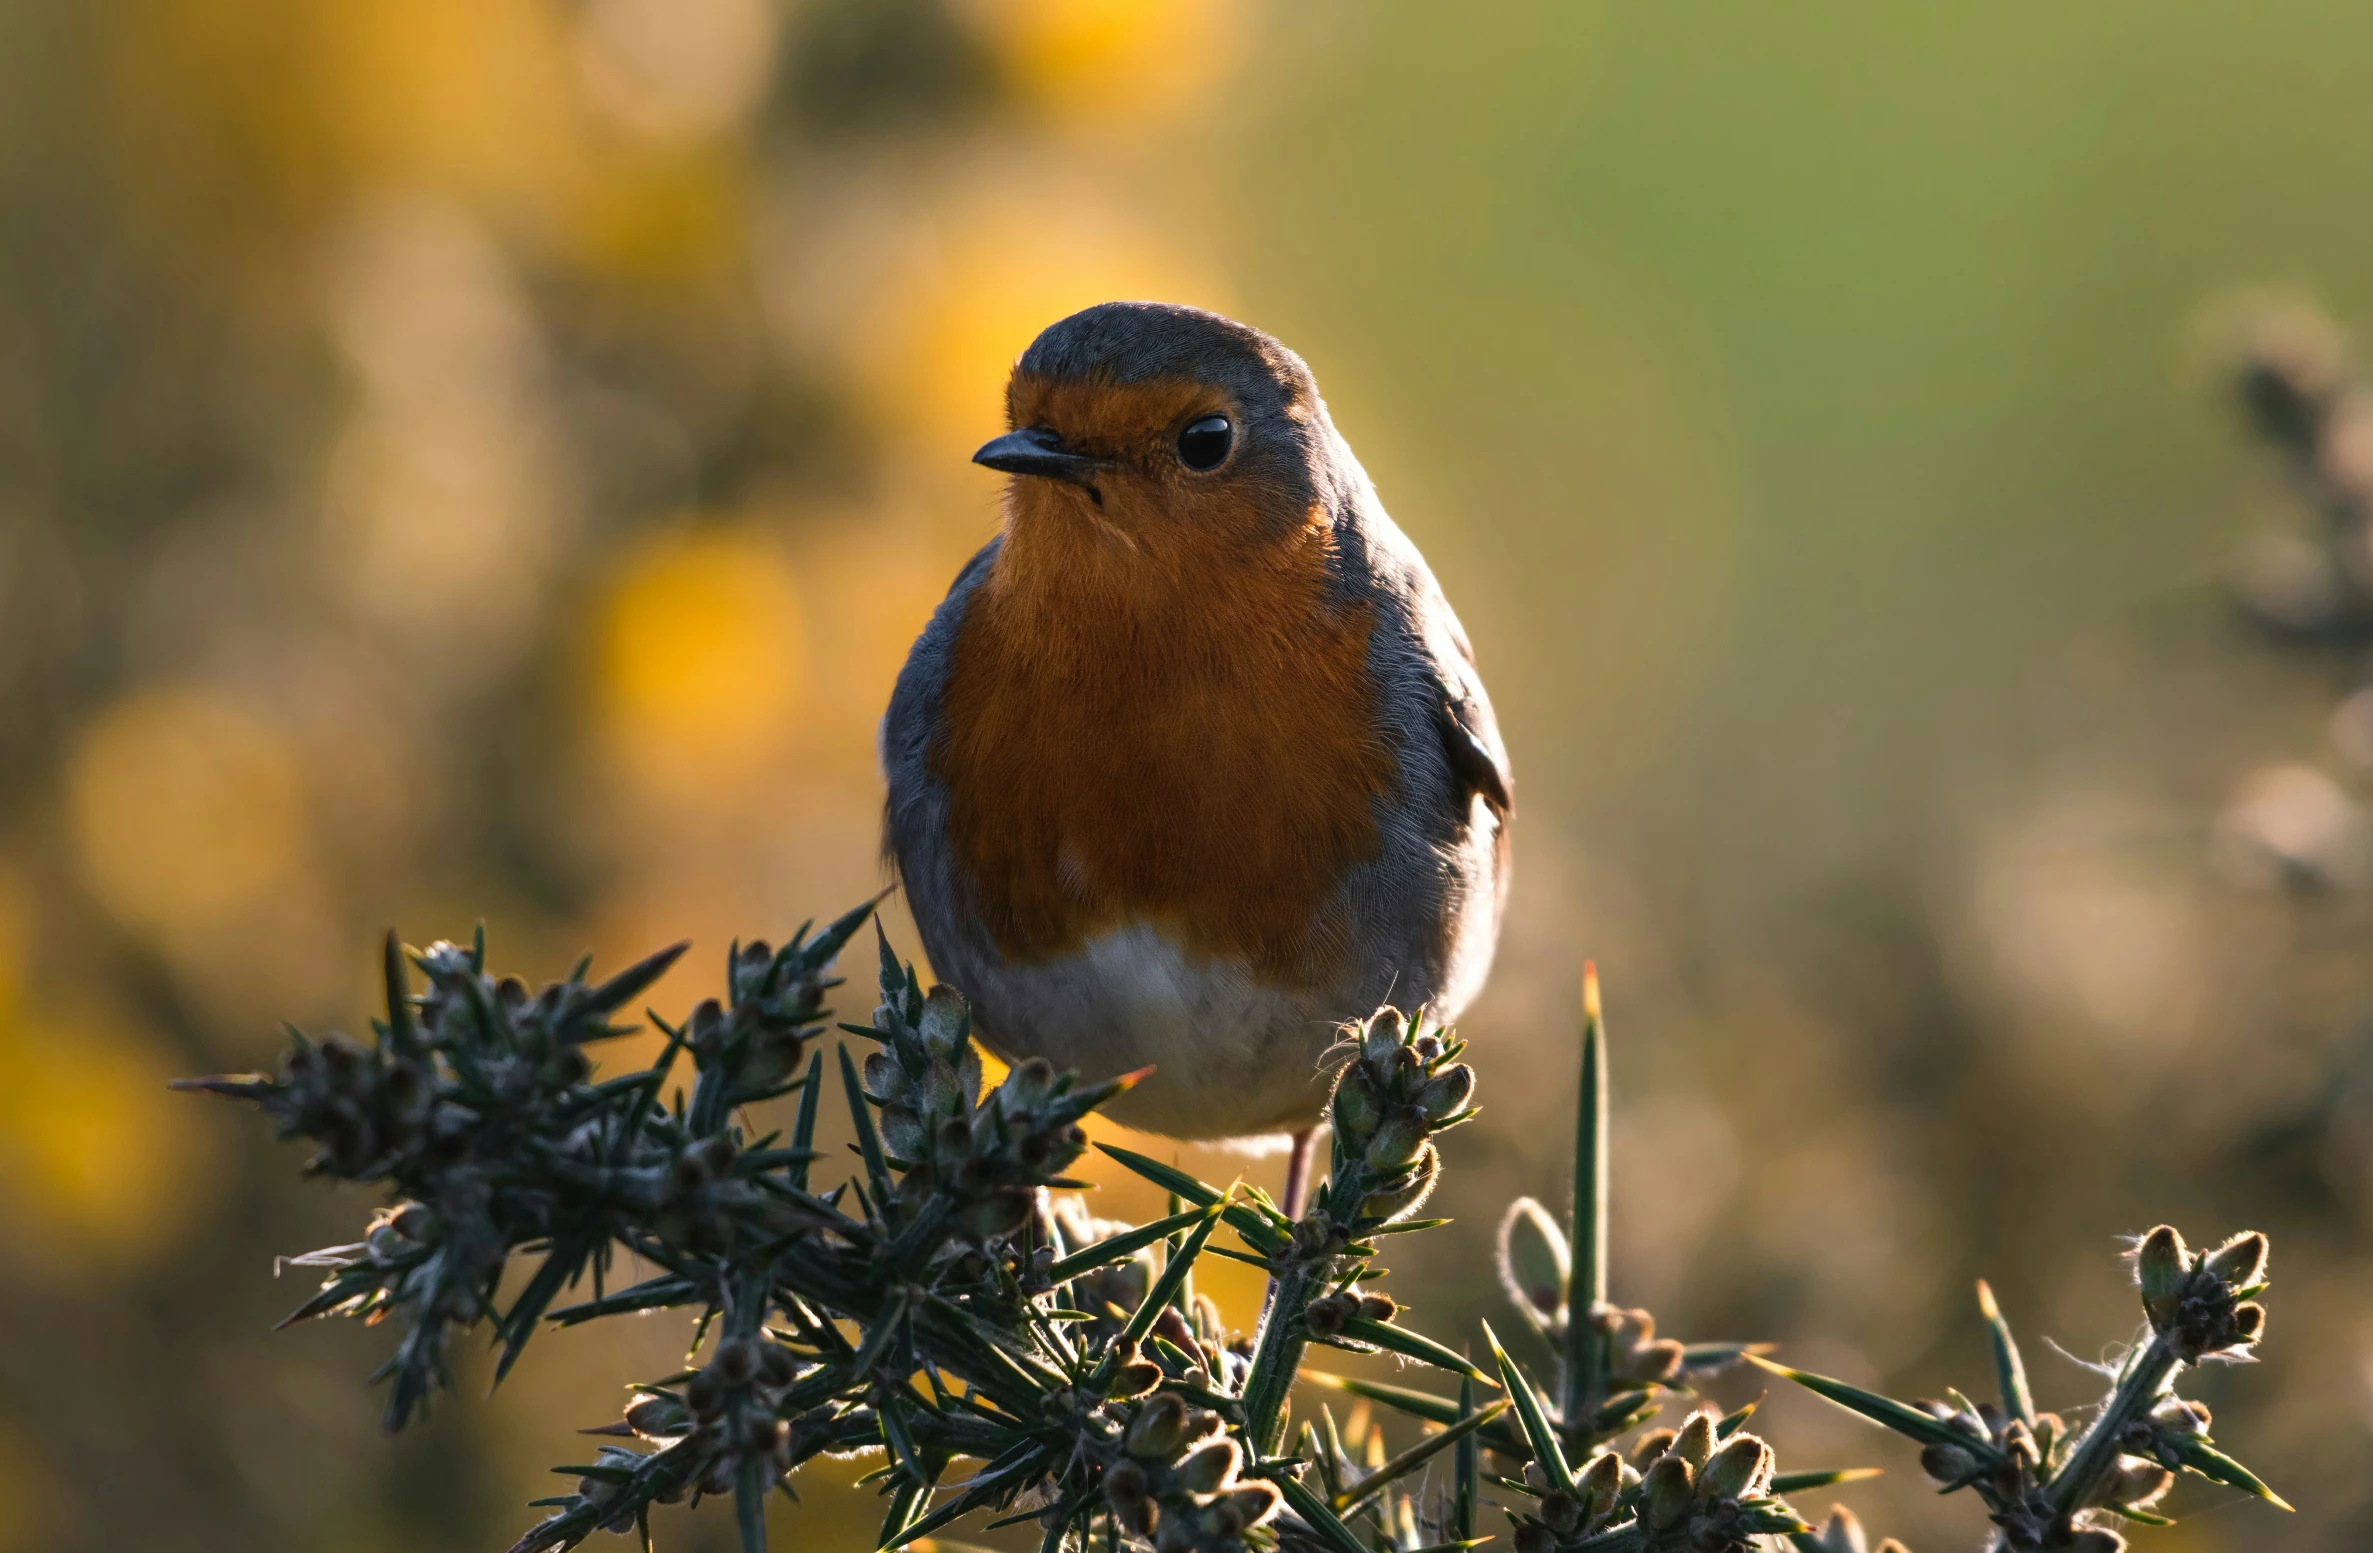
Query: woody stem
[1277, 1357]
[2140, 1385]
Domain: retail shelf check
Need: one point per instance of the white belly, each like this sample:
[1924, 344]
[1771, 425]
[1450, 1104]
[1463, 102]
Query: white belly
[1232, 1057]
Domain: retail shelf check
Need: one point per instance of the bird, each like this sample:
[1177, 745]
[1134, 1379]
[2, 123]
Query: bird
[1193, 767]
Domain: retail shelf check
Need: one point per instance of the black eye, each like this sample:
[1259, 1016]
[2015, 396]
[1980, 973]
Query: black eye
[1204, 444]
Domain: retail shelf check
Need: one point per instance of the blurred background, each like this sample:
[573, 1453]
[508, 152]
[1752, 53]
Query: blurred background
[487, 458]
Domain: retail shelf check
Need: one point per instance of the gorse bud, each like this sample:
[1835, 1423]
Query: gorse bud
[1599, 1484]
[1210, 1468]
[1446, 1093]
[2240, 1262]
[1133, 1379]
[1127, 1485]
[2133, 1482]
[2162, 1266]
[2195, 1303]
[658, 1418]
[1355, 1110]
[1326, 1315]
[2180, 1415]
[1842, 1533]
[1740, 1469]
[1253, 1504]
[1401, 1196]
[1949, 1464]
[1160, 1424]
[1395, 1143]
[1695, 1443]
[1665, 1492]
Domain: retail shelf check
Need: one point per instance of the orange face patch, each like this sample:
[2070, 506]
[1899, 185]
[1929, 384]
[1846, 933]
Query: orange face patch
[1156, 712]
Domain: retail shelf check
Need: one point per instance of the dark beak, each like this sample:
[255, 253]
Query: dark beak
[1034, 450]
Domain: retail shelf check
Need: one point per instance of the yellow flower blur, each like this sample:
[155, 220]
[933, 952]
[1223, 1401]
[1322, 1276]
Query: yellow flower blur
[185, 807]
[1102, 62]
[968, 303]
[699, 663]
[97, 1158]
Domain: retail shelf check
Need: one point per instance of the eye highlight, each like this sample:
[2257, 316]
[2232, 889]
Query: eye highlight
[1204, 444]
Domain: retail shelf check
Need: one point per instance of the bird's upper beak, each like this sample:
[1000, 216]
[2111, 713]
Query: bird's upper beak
[1034, 450]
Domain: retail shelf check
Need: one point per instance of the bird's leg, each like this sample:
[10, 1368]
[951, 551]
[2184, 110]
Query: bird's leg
[1297, 1172]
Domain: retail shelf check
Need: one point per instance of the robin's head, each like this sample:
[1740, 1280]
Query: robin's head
[1163, 431]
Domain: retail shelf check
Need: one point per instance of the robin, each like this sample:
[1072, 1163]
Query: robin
[1193, 765]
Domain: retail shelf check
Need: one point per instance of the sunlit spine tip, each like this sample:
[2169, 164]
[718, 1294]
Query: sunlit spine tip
[1590, 1003]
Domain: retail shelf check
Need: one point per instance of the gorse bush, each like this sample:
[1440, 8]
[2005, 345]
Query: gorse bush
[956, 1312]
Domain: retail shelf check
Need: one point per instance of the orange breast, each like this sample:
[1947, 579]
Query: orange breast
[1202, 758]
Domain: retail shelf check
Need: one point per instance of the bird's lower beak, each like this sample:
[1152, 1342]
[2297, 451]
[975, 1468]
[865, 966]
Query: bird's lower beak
[1034, 450]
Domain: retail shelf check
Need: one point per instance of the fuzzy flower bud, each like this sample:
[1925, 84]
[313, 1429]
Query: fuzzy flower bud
[2133, 1481]
[1446, 1092]
[1601, 1480]
[1947, 1463]
[1665, 1493]
[1395, 1142]
[1126, 1486]
[1356, 1111]
[657, 1418]
[736, 1361]
[1404, 1196]
[1133, 1379]
[1158, 1427]
[1325, 1316]
[1741, 1469]
[1842, 1533]
[1695, 1443]
[1210, 1468]
[1253, 1503]
[2241, 1261]
[2162, 1267]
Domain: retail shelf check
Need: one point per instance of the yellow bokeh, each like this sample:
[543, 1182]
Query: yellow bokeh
[975, 292]
[700, 660]
[1107, 63]
[662, 217]
[16, 923]
[871, 580]
[256, 117]
[476, 96]
[185, 808]
[97, 1158]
